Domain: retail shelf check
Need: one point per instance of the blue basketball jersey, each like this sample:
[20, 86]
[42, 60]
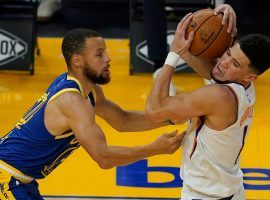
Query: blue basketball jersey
[29, 147]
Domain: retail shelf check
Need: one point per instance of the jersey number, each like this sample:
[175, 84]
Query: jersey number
[32, 111]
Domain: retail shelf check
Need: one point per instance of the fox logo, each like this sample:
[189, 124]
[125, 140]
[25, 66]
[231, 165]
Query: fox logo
[11, 47]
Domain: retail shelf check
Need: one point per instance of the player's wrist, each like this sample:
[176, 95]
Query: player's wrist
[152, 149]
[172, 59]
[185, 54]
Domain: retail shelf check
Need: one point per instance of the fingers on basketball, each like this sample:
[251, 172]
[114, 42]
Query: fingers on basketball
[211, 38]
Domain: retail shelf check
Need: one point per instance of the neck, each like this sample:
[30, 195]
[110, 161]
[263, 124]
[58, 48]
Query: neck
[86, 85]
[245, 84]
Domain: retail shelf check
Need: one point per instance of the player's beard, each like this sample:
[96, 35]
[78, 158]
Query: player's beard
[92, 76]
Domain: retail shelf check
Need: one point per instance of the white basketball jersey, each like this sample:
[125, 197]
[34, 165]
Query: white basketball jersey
[210, 161]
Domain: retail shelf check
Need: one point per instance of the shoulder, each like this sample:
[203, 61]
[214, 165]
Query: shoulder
[221, 95]
[212, 96]
[213, 92]
[72, 102]
[72, 99]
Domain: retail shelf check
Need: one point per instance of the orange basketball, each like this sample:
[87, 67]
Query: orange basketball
[210, 36]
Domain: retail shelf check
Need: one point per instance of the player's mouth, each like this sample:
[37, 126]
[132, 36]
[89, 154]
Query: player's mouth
[107, 69]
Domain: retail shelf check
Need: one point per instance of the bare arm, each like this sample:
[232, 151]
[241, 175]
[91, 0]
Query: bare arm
[120, 119]
[160, 106]
[80, 117]
[215, 102]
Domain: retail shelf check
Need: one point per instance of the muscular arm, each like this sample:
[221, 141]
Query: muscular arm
[120, 119]
[216, 102]
[160, 106]
[80, 117]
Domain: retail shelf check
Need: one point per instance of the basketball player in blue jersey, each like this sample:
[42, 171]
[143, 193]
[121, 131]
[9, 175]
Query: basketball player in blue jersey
[64, 119]
[219, 115]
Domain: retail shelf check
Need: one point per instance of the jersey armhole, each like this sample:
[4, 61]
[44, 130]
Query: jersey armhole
[63, 91]
[235, 98]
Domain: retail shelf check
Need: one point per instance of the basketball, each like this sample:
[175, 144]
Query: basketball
[210, 36]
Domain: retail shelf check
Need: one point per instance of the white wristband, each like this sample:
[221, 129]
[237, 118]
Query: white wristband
[172, 59]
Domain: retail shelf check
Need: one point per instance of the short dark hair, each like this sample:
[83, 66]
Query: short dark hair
[74, 42]
[257, 48]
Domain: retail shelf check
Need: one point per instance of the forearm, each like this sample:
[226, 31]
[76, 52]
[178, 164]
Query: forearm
[126, 121]
[134, 121]
[139, 121]
[160, 89]
[95, 144]
[116, 156]
[200, 66]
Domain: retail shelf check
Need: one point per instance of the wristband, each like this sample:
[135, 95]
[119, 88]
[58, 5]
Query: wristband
[172, 59]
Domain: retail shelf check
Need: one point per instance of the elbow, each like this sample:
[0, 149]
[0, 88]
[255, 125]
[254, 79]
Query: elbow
[153, 116]
[148, 109]
[101, 156]
[151, 111]
[103, 160]
[105, 165]
[156, 106]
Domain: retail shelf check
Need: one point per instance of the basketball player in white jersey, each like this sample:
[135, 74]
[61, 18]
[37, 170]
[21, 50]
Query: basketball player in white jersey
[219, 115]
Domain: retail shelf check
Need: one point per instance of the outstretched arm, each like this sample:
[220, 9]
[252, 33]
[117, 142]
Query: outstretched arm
[122, 120]
[212, 101]
[80, 117]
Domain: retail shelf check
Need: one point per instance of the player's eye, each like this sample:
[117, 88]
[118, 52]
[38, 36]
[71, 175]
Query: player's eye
[99, 54]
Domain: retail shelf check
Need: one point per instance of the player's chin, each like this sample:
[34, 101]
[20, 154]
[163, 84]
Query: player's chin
[221, 80]
[218, 74]
[106, 79]
[107, 75]
[217, 77]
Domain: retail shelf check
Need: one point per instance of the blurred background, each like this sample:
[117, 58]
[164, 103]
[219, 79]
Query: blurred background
[138, 34]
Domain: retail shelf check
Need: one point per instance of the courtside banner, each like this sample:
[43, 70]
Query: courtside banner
[17, 35]
[156, 177]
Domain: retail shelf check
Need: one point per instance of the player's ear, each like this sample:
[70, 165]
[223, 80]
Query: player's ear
[75, 60]
[251, 77]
